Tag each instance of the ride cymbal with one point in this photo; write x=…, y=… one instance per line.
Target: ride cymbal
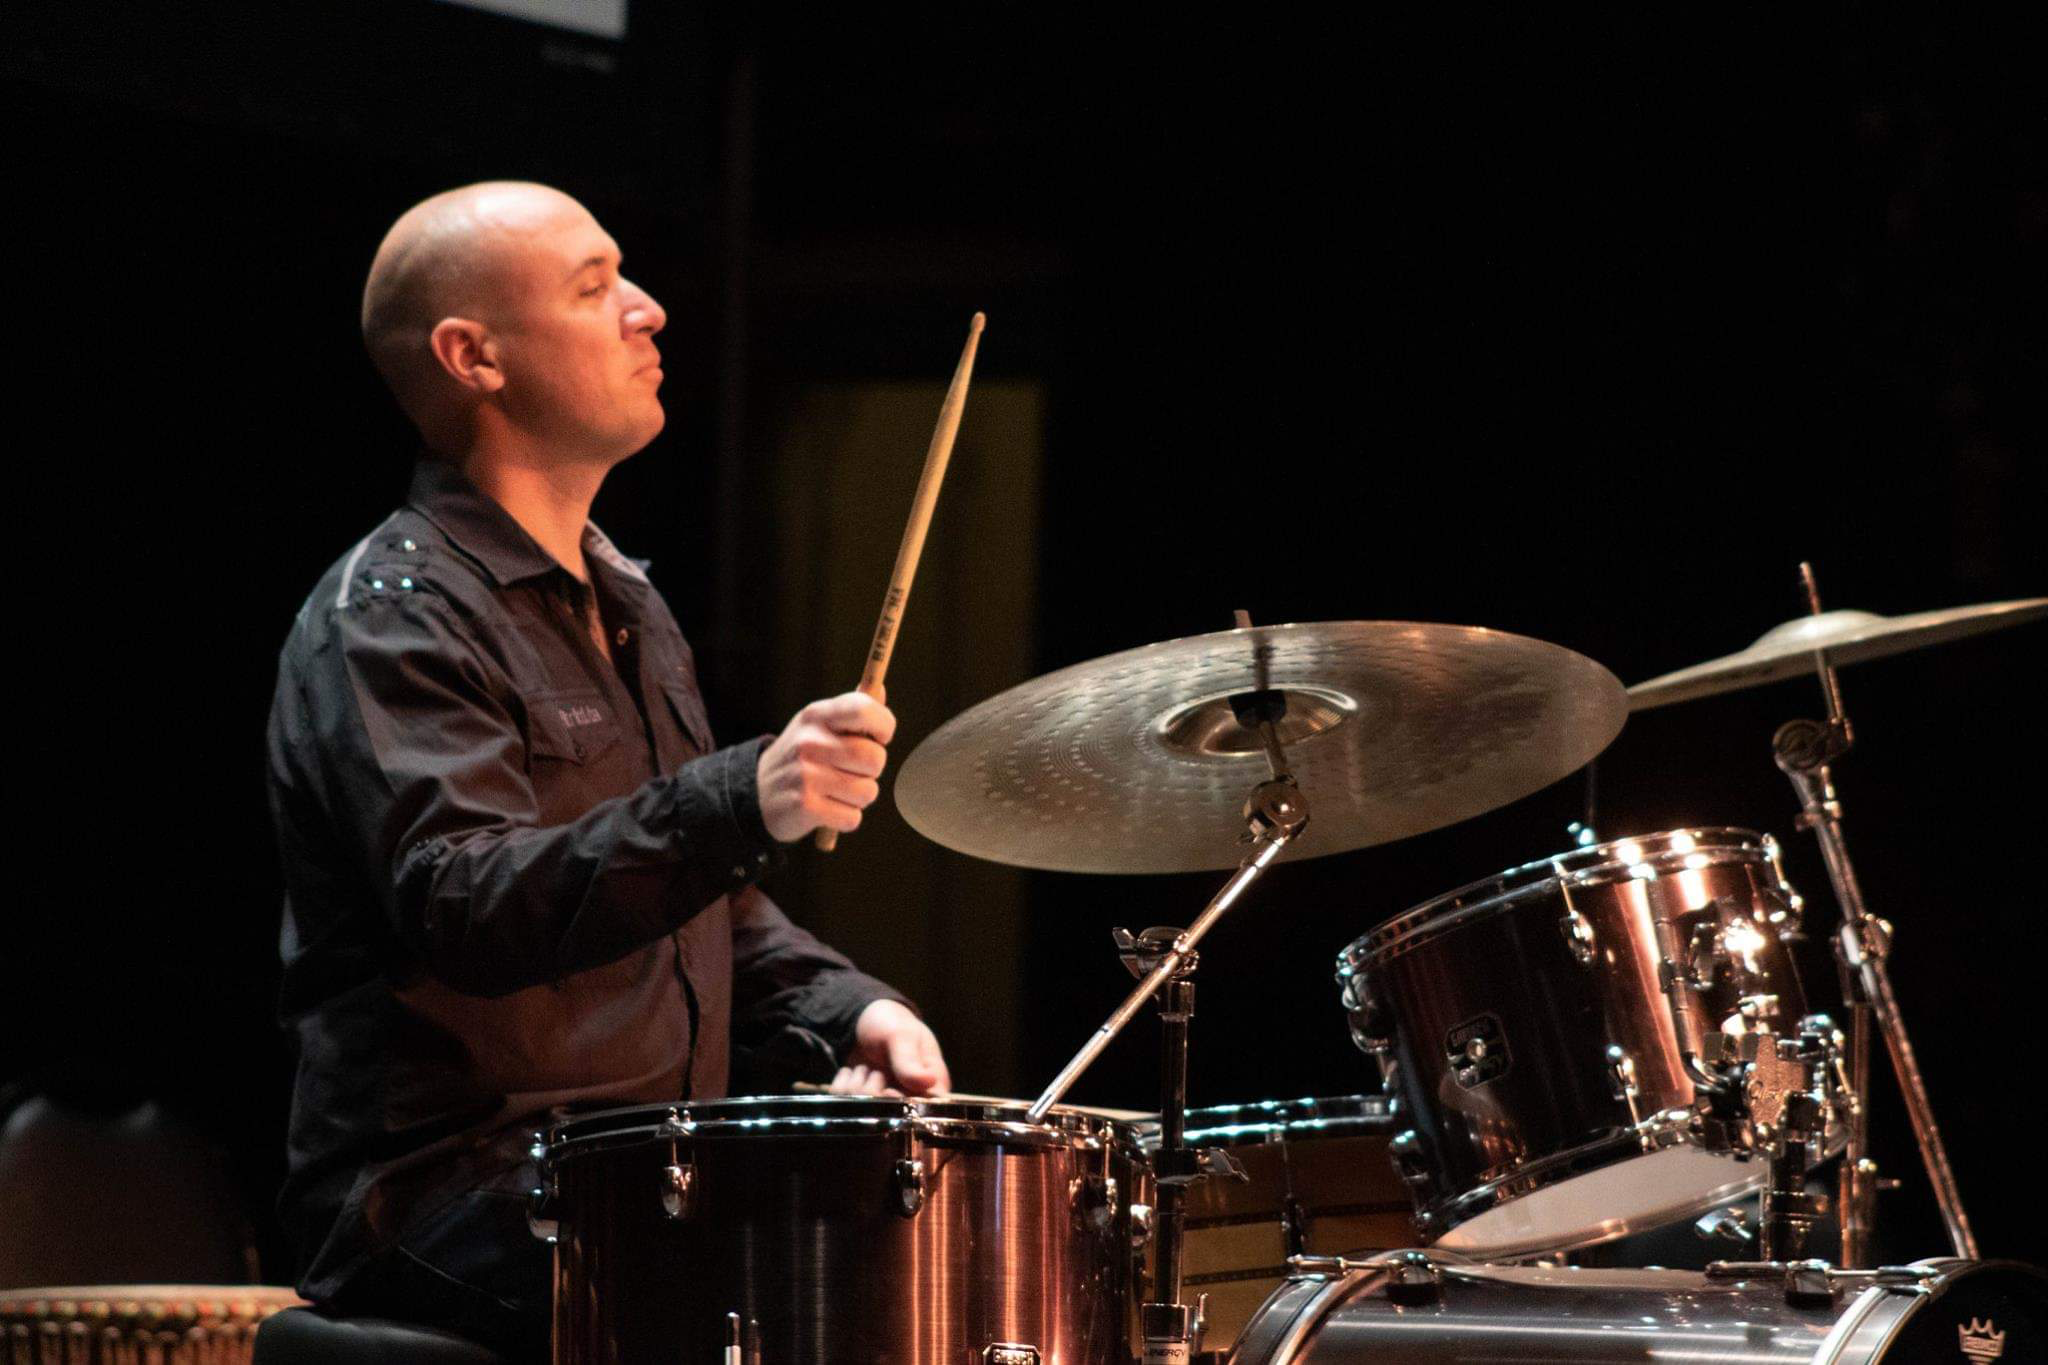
x=1135, y=762
x=1849, y=637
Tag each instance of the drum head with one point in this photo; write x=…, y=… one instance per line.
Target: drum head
x=1644, y=1192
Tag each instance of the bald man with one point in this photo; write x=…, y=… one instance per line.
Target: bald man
x=520, y=875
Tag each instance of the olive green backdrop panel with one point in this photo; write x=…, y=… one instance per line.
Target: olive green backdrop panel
x=946, y=929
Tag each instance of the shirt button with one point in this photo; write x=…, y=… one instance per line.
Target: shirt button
x=623, y=636
x=739, y=872
x=410, y=545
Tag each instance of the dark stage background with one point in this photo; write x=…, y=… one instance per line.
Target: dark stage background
x=1585, y=331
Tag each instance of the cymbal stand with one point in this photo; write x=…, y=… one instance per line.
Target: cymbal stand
x=1275, y=814
x=1803, y=750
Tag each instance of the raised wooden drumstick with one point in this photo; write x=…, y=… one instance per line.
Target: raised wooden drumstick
x=884, y=643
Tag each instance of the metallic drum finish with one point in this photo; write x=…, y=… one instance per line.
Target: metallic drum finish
x=842, y=1230
x=1525, y=1024
x=1316, y=1180
x=1966, y=1312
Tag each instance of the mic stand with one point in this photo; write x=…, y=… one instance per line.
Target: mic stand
x=1803, y=749
x=1274, y=815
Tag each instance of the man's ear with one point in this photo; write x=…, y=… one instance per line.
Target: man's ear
x=464, y=348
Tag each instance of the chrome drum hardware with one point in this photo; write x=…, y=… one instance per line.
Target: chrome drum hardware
x=1590, y=1046
x=841, y=1230
x=1418, y=1309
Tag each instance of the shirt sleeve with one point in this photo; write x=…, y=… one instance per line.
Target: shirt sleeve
x=431, y=782
x=795, y=1001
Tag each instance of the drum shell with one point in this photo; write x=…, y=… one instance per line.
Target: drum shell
x=1557, y=966
x=1514, y=1315
x=1316, y=1180
x=800, y=1224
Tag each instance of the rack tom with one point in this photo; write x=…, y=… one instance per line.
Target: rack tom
x=1568, y=1040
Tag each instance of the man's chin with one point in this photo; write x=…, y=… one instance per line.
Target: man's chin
x=644, y=435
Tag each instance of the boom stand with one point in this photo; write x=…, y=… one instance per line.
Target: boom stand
x=1803, y=750
x=1274, y=814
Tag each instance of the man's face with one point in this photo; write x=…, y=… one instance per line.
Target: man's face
x=574, y=337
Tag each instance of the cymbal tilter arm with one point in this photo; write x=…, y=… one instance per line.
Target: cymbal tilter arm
x=1266, y=846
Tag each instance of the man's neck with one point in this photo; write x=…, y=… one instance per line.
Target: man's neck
x=551, y=504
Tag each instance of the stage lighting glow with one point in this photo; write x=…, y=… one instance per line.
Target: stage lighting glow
x=599, y=18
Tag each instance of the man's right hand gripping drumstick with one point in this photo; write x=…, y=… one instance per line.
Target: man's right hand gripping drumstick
x=821, y=772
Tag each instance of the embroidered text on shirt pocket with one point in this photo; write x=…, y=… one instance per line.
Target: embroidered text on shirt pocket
x=575, y=725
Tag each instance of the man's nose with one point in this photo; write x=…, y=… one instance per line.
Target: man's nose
x=641, y=313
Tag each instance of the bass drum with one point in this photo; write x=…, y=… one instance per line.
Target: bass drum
x=1968, y=1312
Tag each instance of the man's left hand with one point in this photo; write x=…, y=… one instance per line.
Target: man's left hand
x=893, y=1052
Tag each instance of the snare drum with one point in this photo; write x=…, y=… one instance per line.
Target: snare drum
x=841, y=1230
x=1968, y=1312
x=1316, y=1180
x=1561, y=1038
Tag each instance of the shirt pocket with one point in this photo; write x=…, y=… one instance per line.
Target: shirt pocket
x=573, y=725
x=691, y=718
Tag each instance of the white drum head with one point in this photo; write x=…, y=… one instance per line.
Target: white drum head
x=1649, y=1191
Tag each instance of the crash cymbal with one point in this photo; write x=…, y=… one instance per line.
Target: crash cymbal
x=1848, y=637
x=1136, y=763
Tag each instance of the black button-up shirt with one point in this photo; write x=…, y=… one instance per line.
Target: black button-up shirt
x=518, y=874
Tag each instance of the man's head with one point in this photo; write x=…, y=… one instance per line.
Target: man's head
x=499, y=318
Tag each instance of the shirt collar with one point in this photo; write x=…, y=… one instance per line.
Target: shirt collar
x=488, y=533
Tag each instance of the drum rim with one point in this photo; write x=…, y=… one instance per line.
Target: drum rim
x=1361, y=1115
x=1867, y=1314
x=1661, y=1133
x=1305, y=1301
x=802, y=1117
x=1596, y=865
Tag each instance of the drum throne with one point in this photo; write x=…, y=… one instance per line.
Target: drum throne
x=305, y=1336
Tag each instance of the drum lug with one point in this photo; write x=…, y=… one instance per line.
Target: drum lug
x=1578, y=933
x=1405, y=1152
x=1621, y=1074
x=1705, y=957
x=1294, y=1226
x=1414, y=1279
x=538, y=1221
x=1786, y=913
x=1093, y=1199
x=679, y=1177
x=678, y=1190
x=1141, y=1226
x=1369, y=1029
x=907, y=1179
